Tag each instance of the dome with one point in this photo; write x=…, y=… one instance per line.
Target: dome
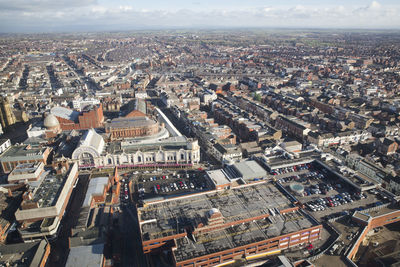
x=213, y=211
x=51, y=121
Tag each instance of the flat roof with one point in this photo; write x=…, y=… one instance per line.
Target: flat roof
x=88, y=256
x=130, y=122
x=25, y=168
x=171, y=217
x=175, y=142
x=22, y=152
x=96, y=187
x=250, y=169
x=47, y=193
x=32, y=252
x=219, y=177
x=240, y=235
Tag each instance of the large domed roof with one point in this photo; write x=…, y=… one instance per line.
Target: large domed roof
x=51, y=121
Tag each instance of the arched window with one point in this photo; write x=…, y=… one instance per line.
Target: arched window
x=109, y=161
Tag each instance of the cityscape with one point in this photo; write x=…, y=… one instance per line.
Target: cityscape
x=199, y=145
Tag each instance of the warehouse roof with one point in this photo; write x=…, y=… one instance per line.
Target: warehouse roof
x=96, y=187
x=249, y=169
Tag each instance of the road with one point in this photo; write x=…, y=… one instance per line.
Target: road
x=60, y=247
x=132, y=251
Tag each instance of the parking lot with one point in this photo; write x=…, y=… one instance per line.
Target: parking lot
x=325, y=195
x=150, y=185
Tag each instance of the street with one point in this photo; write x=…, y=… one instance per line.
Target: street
x=60, y=247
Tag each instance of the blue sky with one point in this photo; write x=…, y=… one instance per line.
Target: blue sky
x=98, y=15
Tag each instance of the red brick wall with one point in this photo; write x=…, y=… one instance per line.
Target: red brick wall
x=45, y=256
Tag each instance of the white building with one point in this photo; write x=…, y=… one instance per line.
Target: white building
x=171, y=151
x=4, y=144
x=341, y=138
x=80, y=103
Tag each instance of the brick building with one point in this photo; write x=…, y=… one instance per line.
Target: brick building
x=292, y=126
x=18, y=154
x=240, y=224
x=90, y=117
x=135, y=124
x=380, y=218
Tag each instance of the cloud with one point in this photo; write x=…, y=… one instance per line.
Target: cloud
x=374, y=5
x=37, y=15
x=43, y=5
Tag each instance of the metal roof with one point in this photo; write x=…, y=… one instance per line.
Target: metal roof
x=250, y=169
x=65, y=113
x=96, y=187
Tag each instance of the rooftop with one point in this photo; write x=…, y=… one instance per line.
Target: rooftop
x=23, y=254
x=130, y=122
x=249, y=169
x=96, y=187
x=219, y=177
x=240, y=235
x=176, y=142
x=65, y=113
x=26, y=168
x=88, y=256
x=171, y=217
x=46, y=194
x=22, y=152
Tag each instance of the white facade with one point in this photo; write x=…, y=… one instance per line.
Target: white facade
x=36, y=132
x=340, y=139
x=91, y=153
x=5, y=143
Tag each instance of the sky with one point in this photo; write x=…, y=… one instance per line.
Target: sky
x=26, y=16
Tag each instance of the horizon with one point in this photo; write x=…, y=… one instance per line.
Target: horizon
x=210, y=29
x=45, y=16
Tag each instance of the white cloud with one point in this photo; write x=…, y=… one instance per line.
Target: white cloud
x=375, y=5
x=37, y=14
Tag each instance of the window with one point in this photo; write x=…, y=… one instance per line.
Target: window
x=139, y=159
x=109, y=161
x=87, y=159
